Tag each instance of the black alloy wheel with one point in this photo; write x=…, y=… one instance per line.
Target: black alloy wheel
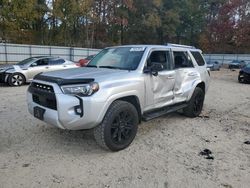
x=119, y=126
x=195, y=105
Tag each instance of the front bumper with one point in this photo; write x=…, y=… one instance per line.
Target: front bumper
x=246, y=76
x=2, y=77
x=60, y=109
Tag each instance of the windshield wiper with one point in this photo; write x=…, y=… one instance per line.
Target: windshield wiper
x=91, y=66
x=109, y=67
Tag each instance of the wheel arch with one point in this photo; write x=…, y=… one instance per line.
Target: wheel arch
x=202, y=85
x=134, y=100
x=23, y=75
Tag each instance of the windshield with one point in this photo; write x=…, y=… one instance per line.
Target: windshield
x=24, y=62
x=235, y=61
x=247, y=65
x=127, y=58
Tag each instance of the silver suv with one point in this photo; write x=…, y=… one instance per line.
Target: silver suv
x=119, y=88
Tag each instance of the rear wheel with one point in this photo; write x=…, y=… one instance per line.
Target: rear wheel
x=195, y=105
x=16, y=79
x=119, y=126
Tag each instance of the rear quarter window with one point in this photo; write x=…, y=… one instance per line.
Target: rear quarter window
x=198, y=58
x=56, y=61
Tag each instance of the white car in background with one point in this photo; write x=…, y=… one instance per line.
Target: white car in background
x=24, y=71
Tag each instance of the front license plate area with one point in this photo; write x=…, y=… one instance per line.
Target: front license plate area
x=39, y=112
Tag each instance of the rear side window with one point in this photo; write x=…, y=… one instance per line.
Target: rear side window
x=56, y=61
x=198, y=58
x=182, y=60
x=42, y=62
x=162, y=57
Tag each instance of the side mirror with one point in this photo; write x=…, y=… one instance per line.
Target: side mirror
x=33, y=64
x=155, y=68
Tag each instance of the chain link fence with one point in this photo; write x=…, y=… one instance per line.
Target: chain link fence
x=225, y=59
x=12, y=53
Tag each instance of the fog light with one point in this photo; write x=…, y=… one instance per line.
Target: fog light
x=78, y=110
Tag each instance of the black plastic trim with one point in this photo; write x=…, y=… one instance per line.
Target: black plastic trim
x=43, y=97
x=80, y=105
x=62, y=81
x=151, y=114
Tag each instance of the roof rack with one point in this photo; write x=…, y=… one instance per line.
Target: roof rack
x=180, y=45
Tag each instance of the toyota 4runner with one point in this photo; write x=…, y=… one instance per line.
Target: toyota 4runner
x=119, y=88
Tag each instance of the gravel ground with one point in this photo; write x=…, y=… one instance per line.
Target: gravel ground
x=165, y=152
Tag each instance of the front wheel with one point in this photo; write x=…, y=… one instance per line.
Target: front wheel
x=16, y=79
x=195, y=105
x=119, y=126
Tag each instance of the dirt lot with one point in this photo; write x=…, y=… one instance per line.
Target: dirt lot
x=165, y=152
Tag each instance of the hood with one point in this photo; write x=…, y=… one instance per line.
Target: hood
x=5, y=67
x=85, y=73
x=246, y=70
x=9, y=67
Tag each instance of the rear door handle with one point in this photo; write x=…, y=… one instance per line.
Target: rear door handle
x=46, y=67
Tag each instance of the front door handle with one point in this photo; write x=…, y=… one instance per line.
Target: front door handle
x=46, y=67
x=170, y=77
x=193, y=74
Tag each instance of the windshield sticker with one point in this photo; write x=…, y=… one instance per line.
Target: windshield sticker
x=137, y=49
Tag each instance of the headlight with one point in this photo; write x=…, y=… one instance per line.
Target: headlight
x=81, y=90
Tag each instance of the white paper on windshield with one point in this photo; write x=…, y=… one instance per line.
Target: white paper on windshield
x=137, y=49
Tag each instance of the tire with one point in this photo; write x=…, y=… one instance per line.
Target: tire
x=241, y=78
x=16, y=79
x=195, y=105
x=119, y=126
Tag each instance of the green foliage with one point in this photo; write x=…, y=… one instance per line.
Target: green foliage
x=213, y=25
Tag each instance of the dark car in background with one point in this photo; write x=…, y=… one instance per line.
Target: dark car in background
x=236, y=64
x=244, y=74
x=213, y=65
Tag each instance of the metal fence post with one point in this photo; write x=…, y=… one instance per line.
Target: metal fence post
x=30, y=51
x=6, y=55
x=71, y=54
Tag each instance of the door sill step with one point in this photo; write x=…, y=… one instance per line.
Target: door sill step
x=162, y=111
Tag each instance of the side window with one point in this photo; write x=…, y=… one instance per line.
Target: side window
x=56, y=61
x=198, y=58
x=162, y=57
x=42, y=62
x=182, y=60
